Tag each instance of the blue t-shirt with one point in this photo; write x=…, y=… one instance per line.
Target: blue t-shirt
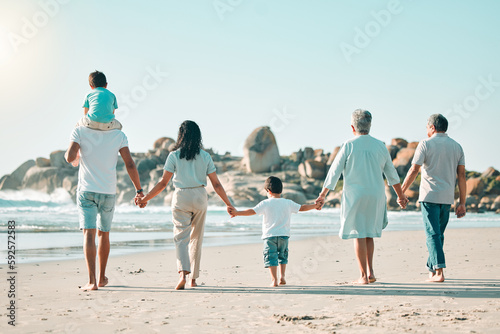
x=101, y=103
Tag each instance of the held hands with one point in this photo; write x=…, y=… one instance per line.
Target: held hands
x=320, y=201
x=231, y=211
x=403, y=202
x=138, y=200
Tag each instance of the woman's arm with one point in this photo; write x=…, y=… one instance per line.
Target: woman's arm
x=162, y=184
x=219, y=189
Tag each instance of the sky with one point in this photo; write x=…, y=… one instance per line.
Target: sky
x=300, y=67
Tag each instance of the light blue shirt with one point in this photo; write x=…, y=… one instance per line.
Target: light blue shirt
x=189, y=173
x=101, y=103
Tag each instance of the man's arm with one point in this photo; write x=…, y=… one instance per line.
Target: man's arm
x=462, y=189
x=410, y=177
x=130, y=166
x=72, y=152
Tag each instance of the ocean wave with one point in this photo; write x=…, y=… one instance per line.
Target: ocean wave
x=32, y=198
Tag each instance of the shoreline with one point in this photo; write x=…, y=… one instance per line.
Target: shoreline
x=234, y=297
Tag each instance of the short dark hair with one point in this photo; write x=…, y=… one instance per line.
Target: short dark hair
x=97, y=79
x=274, y=185
x=439, y=121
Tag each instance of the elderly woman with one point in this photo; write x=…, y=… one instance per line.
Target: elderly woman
x=362, y=160
x=189, y=165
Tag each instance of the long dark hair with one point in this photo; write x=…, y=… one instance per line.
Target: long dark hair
x=189, y=140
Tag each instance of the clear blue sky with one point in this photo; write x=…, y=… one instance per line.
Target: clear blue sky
x=301, y=67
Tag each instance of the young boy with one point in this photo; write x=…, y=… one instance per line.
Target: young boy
x=275, y=226
x=99, y=107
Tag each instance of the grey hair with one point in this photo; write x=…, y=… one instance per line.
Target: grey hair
x=439, y=121
x=361, y=120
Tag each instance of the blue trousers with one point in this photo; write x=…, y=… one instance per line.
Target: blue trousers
x=436, y=218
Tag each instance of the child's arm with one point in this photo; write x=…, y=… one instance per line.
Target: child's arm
x=85, y=111
x=233, y=212
x=307, y=207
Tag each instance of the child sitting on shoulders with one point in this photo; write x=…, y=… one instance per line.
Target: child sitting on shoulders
x=275, y=226
x=98, y=108
x=99, y=105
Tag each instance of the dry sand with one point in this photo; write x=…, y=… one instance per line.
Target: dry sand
x=233, y=296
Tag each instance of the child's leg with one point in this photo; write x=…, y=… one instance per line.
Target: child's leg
x=282, y=257
x=271, y=258
x=282, y=274
x=274, y=275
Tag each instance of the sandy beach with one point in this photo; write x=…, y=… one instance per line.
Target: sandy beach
x=234, y=297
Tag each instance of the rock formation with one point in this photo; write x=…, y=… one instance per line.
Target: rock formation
x=260, y=152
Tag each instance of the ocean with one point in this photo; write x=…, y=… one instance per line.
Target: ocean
x=47, y=226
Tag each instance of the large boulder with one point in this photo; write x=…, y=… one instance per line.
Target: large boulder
x=413, y=144
x=308, y=153
x=260, y=152
x=475, y=186
x=57, y=160
x=46, y=179
x=294, y=195
x=313, y=169
x=403, y=160
x=333, y=155
x=490, y=172
x=163, y=142
x=42, y=162
x=399, y=142
x=15, y=180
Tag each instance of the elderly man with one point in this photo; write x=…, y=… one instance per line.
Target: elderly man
x=441, y=159
x=97, y=191
x=363, y=160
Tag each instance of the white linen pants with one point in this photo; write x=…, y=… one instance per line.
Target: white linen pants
x=189, y=210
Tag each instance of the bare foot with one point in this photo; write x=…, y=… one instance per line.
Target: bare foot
x=282, y=281
x=436, y=279
x=88, y=287
x=273, y=283
x=372, y=279
x=103, y=283
x=360, y=281
x=193, y=283
x=181, y=284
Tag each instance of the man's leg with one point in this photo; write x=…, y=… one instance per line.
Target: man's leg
x=370, y=249
x=103, y=252
x=90, y=252
x=431, y=215
x=361, y=256
x=87, y=212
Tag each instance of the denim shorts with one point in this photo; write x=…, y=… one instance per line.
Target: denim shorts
x=95, y=210
x=275, y=251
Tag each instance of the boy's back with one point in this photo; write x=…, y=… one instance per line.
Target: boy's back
x=277, y=213
x=101, y=104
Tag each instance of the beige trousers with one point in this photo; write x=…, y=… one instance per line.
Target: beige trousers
x=85, y=121
x=189, y=209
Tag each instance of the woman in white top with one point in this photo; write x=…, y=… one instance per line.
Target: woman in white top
x=363, y=160
x=189, y=165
